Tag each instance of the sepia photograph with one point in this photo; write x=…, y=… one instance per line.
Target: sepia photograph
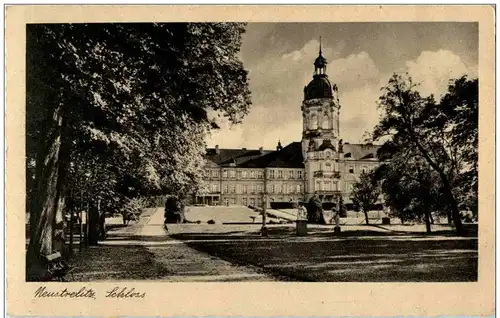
x=249, y=152
x=252, y=151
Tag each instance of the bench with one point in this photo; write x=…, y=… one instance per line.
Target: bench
x=57, y=268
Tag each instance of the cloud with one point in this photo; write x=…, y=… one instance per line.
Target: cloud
x=433, y=70
x=277, y=92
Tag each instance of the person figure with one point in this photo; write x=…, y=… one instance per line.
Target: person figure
x=301, y=212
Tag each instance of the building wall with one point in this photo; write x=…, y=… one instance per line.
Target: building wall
x=245, y=186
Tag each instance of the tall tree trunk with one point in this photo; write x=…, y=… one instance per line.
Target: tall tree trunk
x=427, y=217
x=455, y=212
x=365, y=211
x=102, y=225
x=93, y=224
x=49, y=182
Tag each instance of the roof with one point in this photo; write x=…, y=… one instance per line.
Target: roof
x=319, y=87
x=288, y=157
x=360, y=151
x=227, y=156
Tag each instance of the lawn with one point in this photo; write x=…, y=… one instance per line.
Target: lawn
x=360, y=254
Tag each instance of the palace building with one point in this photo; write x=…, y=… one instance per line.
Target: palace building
x=320, y=164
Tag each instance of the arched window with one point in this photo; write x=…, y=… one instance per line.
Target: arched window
x=326, y=121
x=314, y=121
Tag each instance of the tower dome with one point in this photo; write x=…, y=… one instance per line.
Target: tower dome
x=320, y=86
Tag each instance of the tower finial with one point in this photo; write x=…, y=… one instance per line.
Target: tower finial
x=319, y=45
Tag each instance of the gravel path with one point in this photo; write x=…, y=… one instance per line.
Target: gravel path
x=144, y=251
x=183, y=263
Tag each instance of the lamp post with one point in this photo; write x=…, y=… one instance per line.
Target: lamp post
x=263, y=230
x=336, y=229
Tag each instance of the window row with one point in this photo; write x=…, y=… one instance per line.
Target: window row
x=253, y=174
x=256, y=188
x=359, y=169
x=325, y=185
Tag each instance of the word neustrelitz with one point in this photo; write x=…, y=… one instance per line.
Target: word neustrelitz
x=84, y=292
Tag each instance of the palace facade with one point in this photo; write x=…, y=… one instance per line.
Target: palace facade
x=320, y=164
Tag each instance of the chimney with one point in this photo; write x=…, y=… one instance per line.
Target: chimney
x=261, y=149
x=217, y=149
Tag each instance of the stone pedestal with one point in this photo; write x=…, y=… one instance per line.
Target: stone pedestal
x=386, y=221
x=337, y=229
x=301, y=228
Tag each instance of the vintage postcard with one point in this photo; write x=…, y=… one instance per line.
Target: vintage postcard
x=250, y=160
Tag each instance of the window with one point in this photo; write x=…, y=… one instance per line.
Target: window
x=259, y=188
x=328, y=166
x=328, y=155
x=259, y=202
x=232, y=174
x=351, y=169
x=238, y=188
x=206, y=173
x=318, y=186
x=335, y=186
x=244, y=174
x=226, y=188
x=214, y=187
x=326, y=121
x=238, y=174
x=364, y=169
x=273, y=188
x=290, y=174
x=348, y=187
x=314, y=121
x=252, y=201
x=233, y=201
x=298, y=188
x=280, y=174
x=271, y=174
x=244, y=201
x=284, y=188
x=252, y=174
x=299, y=174
x=253, y=188
x=224, y=173
x=245, y=188
x=326, y=185
x=215, y=173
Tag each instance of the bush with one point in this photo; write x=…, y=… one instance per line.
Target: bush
x=211, y=222
x=315, y=211
x=174, y=210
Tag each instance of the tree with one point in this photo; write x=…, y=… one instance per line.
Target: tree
x=459, y=108
x=115, y=111
x=315, y=210
x=365, y=193
x=415, y=122
x=411, y=189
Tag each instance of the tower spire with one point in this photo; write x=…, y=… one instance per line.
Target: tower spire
x=320, y=46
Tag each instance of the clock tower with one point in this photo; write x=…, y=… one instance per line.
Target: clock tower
x=320, y=134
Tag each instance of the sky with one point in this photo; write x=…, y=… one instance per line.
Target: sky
x=361, y=58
